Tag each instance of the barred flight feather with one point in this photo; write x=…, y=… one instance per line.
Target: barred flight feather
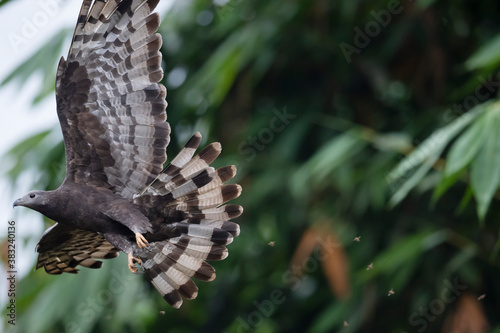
x=62, y=248
x=190, y=191
x=117, y=67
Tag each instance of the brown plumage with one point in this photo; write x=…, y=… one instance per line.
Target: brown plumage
x=116, y=195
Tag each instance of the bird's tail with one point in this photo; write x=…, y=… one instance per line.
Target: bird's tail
x=186, y=204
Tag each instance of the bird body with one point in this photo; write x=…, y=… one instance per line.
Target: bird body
x=117, y=194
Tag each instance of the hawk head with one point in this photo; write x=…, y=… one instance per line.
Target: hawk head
x=34, y=200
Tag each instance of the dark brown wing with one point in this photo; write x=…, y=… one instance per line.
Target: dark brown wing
x=61, y=249
x=110, y=105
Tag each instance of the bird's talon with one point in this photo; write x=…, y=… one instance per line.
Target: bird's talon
x=141, y=241
x=132, y=268
x=132, y=261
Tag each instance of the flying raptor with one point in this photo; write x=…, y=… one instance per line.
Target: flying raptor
x=117, y=194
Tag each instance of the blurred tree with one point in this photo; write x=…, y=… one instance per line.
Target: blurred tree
x=366, y=132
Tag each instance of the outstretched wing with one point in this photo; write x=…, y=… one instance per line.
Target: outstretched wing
x=61, y=249
x=110, y=104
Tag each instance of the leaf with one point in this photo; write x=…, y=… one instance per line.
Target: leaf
x=334, y=262
x=431, y=144
x=332, y=317
x=469, y=317
x=465, y=201
x=334, y=154
x=408, y=248
x=21, y=151
x=486, y=56
x=485, y=173
x=331, y=255
x=330, y=156
x=304, y=249
x=415, y=178
x=3, y=2
x=403, y=178
x=215, y=78
x=28, y=144
x=445, y=184
x=44, y=60
x=461, y=154
x=466, y=147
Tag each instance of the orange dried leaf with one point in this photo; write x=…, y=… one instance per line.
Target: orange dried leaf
x=467, y=318
x=334, y=261
x=330, y=254
x=336, y=271
x=306, y=246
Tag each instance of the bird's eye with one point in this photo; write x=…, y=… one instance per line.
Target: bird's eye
x=32, y=195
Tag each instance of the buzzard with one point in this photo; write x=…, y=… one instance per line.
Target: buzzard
x=117, y=195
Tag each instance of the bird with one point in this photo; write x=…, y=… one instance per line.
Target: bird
x=119, y=193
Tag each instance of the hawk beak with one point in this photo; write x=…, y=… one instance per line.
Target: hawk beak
x=18, y=202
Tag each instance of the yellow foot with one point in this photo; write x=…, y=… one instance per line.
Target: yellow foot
x=141, y=241
x=132, y=261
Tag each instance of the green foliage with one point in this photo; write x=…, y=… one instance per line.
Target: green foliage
x=396, y=142
x=485, y=169
x=466, y=147
x=4, y=2
x=487, y=56
x=426, y=155
x=44, y=61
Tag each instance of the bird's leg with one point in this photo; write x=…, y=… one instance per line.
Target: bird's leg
x=132, y=261
x=141, y=241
